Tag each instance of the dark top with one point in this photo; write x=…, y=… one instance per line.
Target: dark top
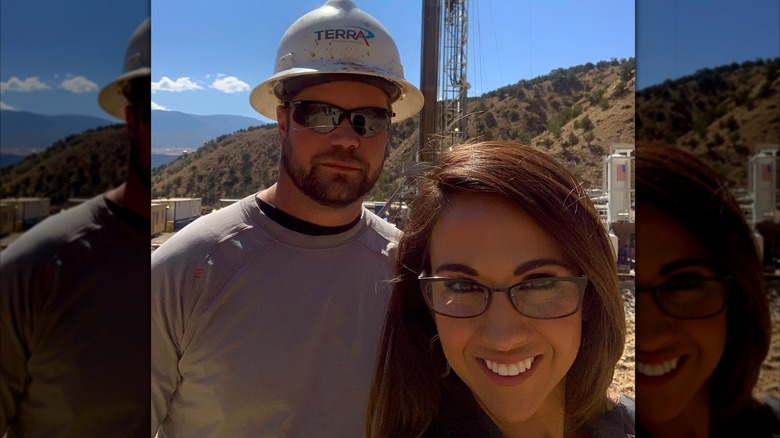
x=460, y=417
x=761, y=422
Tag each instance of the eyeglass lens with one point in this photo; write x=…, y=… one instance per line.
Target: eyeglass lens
x=538, y=298
x=323, y=118
x=692, y=296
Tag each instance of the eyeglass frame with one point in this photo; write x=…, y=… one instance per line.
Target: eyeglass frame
x=727, y=282
x=581, y=281
x=345, y=114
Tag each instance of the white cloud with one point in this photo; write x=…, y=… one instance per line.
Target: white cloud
x=157, y=107
x=4, y=107
x=78, y=84
x=180, y=84
x=30, y=84
x=230, y=84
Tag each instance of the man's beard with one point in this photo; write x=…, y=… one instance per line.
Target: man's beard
x=329, y=189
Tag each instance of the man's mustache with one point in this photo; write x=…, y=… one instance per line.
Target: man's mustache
x=340, y=156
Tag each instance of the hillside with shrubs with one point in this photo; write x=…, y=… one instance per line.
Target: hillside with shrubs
x=575, y=114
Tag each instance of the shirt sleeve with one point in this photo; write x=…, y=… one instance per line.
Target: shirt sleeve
x=167, y=331
x=17, y=309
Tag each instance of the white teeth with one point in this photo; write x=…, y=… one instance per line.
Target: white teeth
x=658, y=369
x=511, y=369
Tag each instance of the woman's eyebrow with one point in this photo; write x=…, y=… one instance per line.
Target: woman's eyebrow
x=457, y=267
x=533, y=264
x=684, y=263
x=524, y=267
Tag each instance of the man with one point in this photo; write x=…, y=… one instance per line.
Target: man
x=266, y=315
x=74, y=303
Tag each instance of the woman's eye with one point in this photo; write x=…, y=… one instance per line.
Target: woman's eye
x=540, y=280
x=462, y=286
x=683, y=282
x=542, y=284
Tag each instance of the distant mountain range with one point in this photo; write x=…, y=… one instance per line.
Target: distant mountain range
x=174, y=132
x=23, y=132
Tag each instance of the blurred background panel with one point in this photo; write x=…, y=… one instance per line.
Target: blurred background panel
x=55, y=141
x=708, y=83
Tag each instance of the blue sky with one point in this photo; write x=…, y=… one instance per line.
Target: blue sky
x=55, y=56
x=196, y=43
x=675, y=38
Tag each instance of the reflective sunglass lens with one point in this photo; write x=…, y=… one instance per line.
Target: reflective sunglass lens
x=316, y=117
x=323, y=118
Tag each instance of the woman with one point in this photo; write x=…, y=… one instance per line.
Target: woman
x=492, y=221
x=702, y=316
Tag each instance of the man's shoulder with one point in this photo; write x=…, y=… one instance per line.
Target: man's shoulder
x=208, y=231
x=57, y=230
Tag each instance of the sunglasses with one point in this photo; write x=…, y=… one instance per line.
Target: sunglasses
x=323, y=117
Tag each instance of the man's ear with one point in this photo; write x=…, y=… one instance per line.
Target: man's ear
x=281, y=119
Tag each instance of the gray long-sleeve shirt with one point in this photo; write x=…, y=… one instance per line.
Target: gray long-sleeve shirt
x=258, y=330
x=74, y=327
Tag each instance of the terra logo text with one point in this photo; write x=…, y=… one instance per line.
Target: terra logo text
x=349, y=33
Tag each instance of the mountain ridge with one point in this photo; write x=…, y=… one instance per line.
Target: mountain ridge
x=575, y=114
x=25, y=132
x=179, y=130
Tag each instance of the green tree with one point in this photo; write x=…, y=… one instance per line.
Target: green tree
x=589, y=137
x=490, y=120
x=586, y=124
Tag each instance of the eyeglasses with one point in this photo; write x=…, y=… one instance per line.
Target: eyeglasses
x=691, y=295
x=539, y=298
x=323, y=117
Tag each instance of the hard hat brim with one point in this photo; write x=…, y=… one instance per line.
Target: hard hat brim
x=111, y=98
x=264, y=100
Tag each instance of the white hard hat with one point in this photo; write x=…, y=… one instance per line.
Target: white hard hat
x=337, y=39
x=137, y=64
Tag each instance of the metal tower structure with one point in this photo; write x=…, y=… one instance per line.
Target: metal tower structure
x=453, y=122
x=443, y=121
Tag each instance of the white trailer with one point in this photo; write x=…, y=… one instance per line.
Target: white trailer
x=180, y=211
x=28, y=211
